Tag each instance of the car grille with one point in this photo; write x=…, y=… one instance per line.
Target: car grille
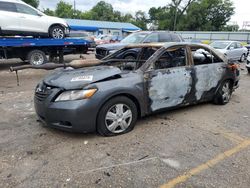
x=42, y=92
x=101, y=51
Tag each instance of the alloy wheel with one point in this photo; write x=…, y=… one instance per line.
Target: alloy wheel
x=226, y=92
x=58, y=33
x=118, y=118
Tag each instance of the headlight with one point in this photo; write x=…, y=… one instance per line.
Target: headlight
x=76, y=95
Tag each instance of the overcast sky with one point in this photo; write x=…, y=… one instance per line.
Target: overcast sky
x=242, y=11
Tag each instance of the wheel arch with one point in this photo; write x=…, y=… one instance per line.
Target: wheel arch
x=231, y=80
x=130, y=53
x=128, y=95
x=56, y=24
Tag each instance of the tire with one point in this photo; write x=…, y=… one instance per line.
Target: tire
x=242, y=58
x=248, y=70
x=57, y=32
x=104, y=123
x=224, y=93
x=37, y=57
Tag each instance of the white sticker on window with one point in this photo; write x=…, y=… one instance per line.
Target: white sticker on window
x=82, y=78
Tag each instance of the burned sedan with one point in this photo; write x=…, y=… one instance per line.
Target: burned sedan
x=109, y=97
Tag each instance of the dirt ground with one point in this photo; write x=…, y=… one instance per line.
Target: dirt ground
x=198, y=146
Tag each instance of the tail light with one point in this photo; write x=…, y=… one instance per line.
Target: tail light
x=233, y=67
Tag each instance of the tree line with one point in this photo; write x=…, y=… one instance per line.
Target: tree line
x=181, y=15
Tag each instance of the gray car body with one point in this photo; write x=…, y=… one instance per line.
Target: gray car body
x=151, y=90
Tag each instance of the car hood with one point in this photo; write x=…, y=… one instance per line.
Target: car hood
x=79, y=78
x=112, y=46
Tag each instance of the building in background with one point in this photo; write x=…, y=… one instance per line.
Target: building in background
x=102, y=27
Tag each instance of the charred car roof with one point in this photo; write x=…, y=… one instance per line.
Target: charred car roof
x=171, y=44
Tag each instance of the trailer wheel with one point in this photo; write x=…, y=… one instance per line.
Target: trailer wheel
x=37, y=57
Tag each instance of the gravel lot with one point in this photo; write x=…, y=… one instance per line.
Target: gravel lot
x=198, y=146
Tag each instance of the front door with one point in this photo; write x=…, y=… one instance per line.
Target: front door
x=170, y=81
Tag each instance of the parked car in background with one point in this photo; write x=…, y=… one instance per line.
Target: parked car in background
x=109, y=98
x=232, y=49
x=103, y=39
x=19, y=18
x=116, y=38
x=248, y=64
x=138, y=37
x=83, y=35
x=248, y=48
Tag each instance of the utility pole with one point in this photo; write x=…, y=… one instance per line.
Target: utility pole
x=74, y=13
x=175, y=17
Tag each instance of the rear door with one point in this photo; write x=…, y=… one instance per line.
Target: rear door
x=30, y=20
x=209, y=70
x=240, y=50
x=232, y=51
x=8, y=17
x=169, y=83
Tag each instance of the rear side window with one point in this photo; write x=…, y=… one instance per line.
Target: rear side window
x=165, y=37
x=5, y=6
x=26, y=10
x=152, y=38
x=175, y=38
x=202, y=56
x=239, y=45
x=233, y=45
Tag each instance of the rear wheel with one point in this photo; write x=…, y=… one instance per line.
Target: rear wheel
x=242, y=58
x=37, y=57
x=224, y=93
x=117, y=116
x=57, y=32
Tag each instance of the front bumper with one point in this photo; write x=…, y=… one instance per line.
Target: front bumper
x=73, y=116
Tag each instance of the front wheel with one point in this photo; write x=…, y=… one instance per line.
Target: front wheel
x=57, y=32
x=224, y=93
x=117, y=116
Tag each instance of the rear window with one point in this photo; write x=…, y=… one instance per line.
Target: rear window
x=165, y=37
x=5, y=6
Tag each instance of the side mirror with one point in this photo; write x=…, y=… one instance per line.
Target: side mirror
x=231, y=48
